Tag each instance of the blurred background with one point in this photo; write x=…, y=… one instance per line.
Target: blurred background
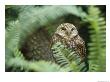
x=29, y=30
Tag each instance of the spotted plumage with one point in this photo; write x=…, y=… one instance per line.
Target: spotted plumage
x=67, y=34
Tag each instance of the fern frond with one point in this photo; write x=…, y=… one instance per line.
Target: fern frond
x=66, y=57
x=18, y=64
x=98, y=39
x=12, y=35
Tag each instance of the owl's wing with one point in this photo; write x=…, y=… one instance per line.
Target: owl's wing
x=80, y=47
x=55, y=38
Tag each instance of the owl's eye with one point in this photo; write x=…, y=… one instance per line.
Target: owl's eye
x=63, y=28
x=72, y=29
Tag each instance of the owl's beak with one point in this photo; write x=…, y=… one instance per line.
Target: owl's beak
x=68, y=33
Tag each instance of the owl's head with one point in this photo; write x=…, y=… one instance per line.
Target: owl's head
x=67, y=30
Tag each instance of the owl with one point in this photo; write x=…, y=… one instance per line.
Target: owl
x=67, y=34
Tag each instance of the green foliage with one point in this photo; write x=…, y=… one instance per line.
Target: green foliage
x=67, y=58
x=12, y=14
x=97, y=59
x=31, y=18
x=18, y=64
x=12, y=35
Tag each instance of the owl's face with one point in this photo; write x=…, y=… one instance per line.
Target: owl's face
x=67, y=31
